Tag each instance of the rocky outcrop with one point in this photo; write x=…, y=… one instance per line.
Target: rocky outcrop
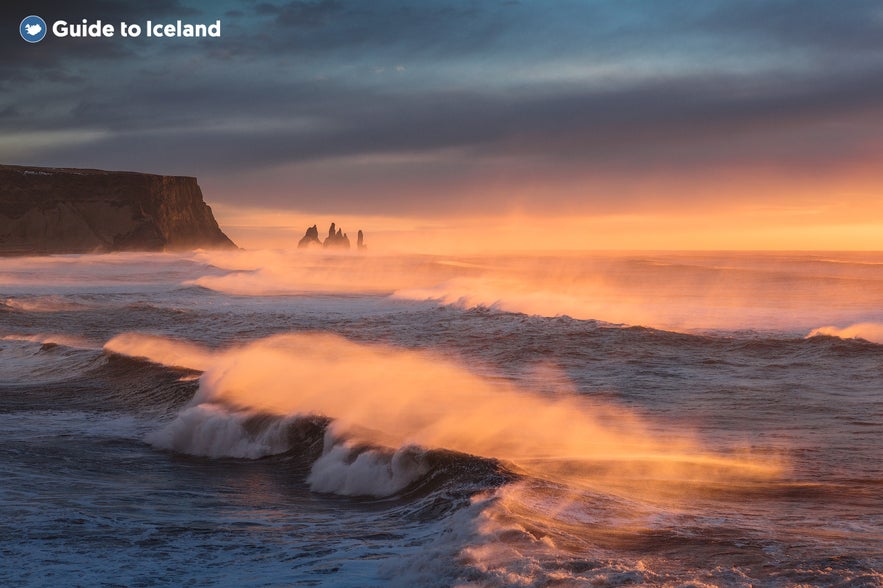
x=62, y=210
x=310, y=238
x=336, y=239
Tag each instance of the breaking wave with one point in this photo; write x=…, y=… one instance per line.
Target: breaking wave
x=386, y=407
x=872, y=332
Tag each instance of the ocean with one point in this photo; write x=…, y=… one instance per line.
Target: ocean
x=291, y=418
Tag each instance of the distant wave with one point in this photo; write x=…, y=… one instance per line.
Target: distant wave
x=160, y=350
x=53, y=339
x=671, y=292
x=872, y=332
x=31, y=359
x=44, y=304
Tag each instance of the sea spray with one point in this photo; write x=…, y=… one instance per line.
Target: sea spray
x=872, y=332
x=394, y=398
x=674, y=291
x=387, y=409
x=80, y=484
x=161, y=350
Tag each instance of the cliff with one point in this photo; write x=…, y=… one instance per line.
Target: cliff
x=61, y=210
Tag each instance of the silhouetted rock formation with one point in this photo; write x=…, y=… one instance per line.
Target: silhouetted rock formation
x=61, y=210
x=336, y=239
x=360, y=242
x=310, y=238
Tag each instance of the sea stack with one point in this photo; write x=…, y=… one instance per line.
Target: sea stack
x=310, y=238
x=64, y=210
x=336, y=239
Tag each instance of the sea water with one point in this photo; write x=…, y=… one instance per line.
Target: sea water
x=309, y=419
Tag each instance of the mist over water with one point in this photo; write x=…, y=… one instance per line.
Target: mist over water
x=350, y=420
x=672, y=291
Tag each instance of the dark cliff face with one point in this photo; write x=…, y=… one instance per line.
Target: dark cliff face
x=55, y=210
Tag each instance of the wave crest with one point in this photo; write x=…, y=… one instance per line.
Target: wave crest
x=872, y=332
x=382, y=402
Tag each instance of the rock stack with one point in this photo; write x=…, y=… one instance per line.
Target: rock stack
x=336, y=239
x=310, y=238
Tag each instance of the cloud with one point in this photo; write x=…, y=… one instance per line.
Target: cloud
x=654, y=123
x=472, y=93
x=30, y=63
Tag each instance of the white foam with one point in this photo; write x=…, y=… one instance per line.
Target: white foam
x=342, y=469
x=209, y=430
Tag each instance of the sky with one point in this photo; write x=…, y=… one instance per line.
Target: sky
x=547, y=124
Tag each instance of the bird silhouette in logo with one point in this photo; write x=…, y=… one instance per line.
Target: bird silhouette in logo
x=33, y=29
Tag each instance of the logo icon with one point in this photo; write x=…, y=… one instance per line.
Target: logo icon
x=32, y=29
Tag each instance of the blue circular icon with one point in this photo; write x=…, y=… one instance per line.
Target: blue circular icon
x=32, y=29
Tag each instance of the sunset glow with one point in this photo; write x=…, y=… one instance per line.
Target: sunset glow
x=825, y=228
x=609, y=126
x=441, y=293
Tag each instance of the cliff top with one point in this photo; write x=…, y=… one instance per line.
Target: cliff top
x=36, y=170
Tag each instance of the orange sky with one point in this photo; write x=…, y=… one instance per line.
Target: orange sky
x=507, y=125
x=832, y=215
x=748, y=230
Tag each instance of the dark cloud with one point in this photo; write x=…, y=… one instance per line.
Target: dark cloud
x=650, y=124
x=24, y=62
x=820, y=25
x=379, y=27
x=297, y=83
x=308, y=14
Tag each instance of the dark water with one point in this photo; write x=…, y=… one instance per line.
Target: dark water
x=348, y=431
